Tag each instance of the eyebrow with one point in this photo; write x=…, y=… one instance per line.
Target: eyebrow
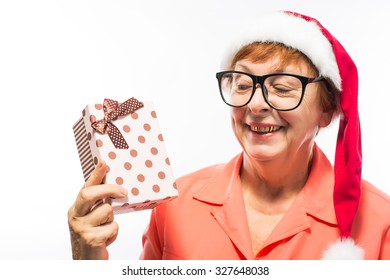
x=243, y=66
x=277, y=69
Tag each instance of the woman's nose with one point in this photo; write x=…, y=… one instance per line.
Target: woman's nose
x=258, y=104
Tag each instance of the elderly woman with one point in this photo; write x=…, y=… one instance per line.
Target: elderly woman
x=280, y=198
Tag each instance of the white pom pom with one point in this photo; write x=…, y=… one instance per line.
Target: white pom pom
x=343, y=249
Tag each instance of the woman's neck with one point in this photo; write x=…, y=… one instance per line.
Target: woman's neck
x=271, y=186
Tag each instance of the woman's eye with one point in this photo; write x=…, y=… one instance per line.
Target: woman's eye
x=281, y=89
x=243, y=87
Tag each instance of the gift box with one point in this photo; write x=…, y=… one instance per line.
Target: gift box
x=127, y=137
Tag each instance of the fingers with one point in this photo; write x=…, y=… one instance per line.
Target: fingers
x=98, y=217
x=92, y=233
x=93, y=191
x=91, y=243
x=91, y=217
x=103, y=235
x=88, y=197
x=97, y=175
x=102, y=214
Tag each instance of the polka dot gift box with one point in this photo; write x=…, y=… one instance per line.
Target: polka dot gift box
x=127, y=137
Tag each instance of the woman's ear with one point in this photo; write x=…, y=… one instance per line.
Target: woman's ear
x=326, y=118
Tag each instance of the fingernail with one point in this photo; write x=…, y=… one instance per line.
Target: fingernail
x=124, y=191
x=100, y=165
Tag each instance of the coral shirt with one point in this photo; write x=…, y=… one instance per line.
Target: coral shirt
x=208, y=219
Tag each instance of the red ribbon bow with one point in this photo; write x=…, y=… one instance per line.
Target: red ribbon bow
x=112, y=110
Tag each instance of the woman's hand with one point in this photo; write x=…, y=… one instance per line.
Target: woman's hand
x=91, y=221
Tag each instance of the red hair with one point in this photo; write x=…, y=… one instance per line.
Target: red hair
x=257, y=52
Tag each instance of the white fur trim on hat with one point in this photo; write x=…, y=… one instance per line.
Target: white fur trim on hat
x=343, y=249
x=295, y=32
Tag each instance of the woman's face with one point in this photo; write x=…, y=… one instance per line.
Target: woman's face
x=267, y=134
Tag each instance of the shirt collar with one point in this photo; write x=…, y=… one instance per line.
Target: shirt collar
x=317, y=194
x=216, y=190
x=315, y=197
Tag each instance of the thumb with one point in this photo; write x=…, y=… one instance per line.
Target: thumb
x=97, y=176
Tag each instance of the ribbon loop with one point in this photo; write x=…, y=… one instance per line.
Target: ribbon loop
x=112, y=110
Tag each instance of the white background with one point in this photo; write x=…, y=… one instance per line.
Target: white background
x=58, y=56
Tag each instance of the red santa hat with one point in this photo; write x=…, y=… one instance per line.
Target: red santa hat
x=307, y=35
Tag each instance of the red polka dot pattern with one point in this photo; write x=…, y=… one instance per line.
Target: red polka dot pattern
x=140, y=178
x=147, y=126
x=144, y=168
x=133, y=153
x=156, y=188
x=154, y=151
x=112, y=155
x=99, y=143
x=161, y=175
x=148, y=163
x=126, y=128
x=127, y=165
x=141, y=139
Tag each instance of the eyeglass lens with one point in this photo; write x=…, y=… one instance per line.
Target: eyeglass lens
x=280, y=91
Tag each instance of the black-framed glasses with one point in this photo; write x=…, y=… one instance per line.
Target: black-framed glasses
x=281, y=91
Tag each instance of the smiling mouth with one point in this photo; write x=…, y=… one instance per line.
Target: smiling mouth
x=264, y=130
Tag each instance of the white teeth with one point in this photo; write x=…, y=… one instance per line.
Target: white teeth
x=264, y=129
